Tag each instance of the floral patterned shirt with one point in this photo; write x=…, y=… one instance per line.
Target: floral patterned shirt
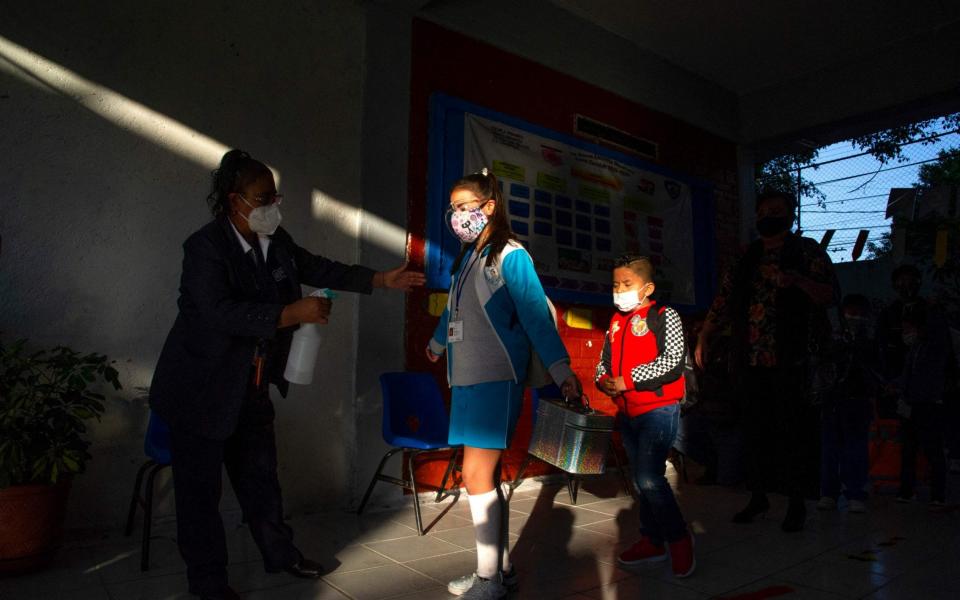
x=762, y=312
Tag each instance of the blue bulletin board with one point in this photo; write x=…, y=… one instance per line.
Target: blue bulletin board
x=575, y=205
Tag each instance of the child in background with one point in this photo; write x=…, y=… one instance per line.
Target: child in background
x=847, y=413
x=641, y=368
x=921, y=408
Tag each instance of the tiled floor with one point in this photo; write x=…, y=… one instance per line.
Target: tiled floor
x=561, y=551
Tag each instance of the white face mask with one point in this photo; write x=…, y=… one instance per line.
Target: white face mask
x=263, y=220
x=627, y=301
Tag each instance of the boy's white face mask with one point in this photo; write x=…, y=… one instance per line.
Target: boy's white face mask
x=627, y=301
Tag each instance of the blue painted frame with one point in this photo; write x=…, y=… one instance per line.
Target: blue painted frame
x=445, y=166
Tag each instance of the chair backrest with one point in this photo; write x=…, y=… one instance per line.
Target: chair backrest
x=156, y=444
x=413, y=407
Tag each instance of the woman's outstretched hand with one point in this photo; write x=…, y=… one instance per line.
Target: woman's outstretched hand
x=431, y=356
x=399, y=279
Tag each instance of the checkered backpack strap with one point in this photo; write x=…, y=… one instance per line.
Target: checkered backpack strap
x=654, y=318
x=670, y=363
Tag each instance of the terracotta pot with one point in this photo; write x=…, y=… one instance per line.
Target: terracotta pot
x=32, y=517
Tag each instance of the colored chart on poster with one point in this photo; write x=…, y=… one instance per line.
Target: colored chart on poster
x=576, y=206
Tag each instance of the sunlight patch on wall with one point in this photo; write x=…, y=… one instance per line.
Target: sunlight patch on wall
x=116, y=108
x=351, y=221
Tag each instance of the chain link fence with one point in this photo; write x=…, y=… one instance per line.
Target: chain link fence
x=845, y=190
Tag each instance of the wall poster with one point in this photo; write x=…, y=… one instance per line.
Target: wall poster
x=575, y=205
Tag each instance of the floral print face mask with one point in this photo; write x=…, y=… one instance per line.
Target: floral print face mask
x=466, y=224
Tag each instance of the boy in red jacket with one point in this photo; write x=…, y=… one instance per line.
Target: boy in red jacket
x=641, y=368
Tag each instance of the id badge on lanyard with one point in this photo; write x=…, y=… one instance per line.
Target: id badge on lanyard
x=455, y=331
x=455, y=327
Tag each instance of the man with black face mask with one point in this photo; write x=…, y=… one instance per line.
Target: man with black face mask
x=774, y=301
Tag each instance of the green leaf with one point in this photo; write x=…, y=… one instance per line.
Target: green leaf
x=72, y=465
x=44, y=404
x=83, y=413
x=38, y=469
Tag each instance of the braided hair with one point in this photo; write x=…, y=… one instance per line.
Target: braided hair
x=237, y=170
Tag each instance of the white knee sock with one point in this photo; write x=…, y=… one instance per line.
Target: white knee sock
x=486, y=511
x=505, y=565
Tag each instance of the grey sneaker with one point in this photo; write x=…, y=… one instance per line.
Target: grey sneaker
x=857, y=507
x=460, y=585
x=827, y=503
x=485, y=589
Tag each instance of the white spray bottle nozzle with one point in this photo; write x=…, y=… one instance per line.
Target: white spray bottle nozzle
x=324, y=293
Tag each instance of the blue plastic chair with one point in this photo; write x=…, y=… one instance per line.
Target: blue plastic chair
x=156, y=445
x=415, y=420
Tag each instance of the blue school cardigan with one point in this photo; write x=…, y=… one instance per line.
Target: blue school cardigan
x=516, y=309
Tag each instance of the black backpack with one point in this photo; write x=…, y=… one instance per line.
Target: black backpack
x=692, y=389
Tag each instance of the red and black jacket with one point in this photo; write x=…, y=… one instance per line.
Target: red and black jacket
x=647, y=347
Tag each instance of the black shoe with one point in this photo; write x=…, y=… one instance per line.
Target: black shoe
x=226, y=593
x=796, y=515
x=758, y=505
x=905, y=495
x=305, y=568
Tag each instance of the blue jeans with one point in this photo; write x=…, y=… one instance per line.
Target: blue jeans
x=647, y=438
x=844, y=458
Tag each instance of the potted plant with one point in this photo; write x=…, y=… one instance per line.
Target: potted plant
x=46, y=397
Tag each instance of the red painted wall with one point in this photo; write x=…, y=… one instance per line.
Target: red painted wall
x=449, y=62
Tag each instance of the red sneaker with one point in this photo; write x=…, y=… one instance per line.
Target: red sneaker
x=682, y=559
x=643, y=552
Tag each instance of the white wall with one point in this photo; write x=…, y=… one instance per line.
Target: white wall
x=383, y=237
x=112, y=122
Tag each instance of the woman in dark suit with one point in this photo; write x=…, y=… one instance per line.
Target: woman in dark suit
x=240, y=302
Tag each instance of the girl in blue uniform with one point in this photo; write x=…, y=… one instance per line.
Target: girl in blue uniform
x=496, y=315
